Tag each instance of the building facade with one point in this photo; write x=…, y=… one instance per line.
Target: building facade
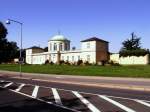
x=93, y=50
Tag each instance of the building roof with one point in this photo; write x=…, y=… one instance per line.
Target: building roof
x=94, y=39
x=35, y=47
x=59, y=38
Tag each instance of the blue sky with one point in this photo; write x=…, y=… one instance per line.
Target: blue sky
x=111, y=20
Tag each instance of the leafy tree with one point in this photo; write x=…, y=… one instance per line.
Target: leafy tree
x=8, y=50
x=3, y=42
x=132, y=44
x=3, y=31
x=132, y=47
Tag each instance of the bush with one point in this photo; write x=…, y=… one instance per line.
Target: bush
x=79, y=62
x=62, y=62
x=103, y=62
x=67, y=62
x=47, y=62
x=139, y=52
x=86, y=63
x=51, y=63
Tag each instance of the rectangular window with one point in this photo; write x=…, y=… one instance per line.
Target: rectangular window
x=60, y=46
x=78, y=57
x=68, y=58
x=72, y=58
x=55, y=47
x=88, y=45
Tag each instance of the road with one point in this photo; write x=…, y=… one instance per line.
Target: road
x=12, y=102
x=142, y=84
x=79, y=97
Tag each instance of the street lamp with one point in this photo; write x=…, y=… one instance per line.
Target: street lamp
x=20, y=58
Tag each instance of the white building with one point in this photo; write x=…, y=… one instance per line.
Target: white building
x=93, y=50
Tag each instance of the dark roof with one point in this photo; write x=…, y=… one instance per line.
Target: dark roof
x=35, y=47
x=94, y=39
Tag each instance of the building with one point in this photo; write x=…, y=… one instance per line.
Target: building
x=93, y=50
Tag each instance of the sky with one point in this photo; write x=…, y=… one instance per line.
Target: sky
x=110, y=20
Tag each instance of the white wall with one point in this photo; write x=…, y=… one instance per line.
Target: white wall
x=73, y=56
x=28, y=56
x=114, y=58
x=40, y=58
x=91, y=48
x=92, y=56
x=88, y=51
x=130, y=60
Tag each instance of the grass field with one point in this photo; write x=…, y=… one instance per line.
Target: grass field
x=112, y=71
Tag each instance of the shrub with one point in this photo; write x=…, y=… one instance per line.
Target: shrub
x=67, y=62
x=51, y=63
x=86, y=63
x=103, y=62
x=47, y=62
x=62, y=62
x=139, y=52
x=79, y=62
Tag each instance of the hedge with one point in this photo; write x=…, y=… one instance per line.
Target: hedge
x=139, y=52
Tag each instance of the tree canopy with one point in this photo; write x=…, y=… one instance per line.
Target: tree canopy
x=132, y=43
x=3, y=31
x=132, y=47
x=8, y=50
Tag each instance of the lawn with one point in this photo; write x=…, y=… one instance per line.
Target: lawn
x=112, y=71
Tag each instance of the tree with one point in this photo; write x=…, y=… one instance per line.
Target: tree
x=3, y=41
x=132, y=47
x=3, y=31
x=132, y=44
x=8, y=50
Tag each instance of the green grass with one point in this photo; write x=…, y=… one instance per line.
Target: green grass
x=112, y=71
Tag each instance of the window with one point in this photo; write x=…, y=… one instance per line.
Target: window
x=72, y=58
x=55, y=47
x=68, y=58
x=66, y=46
x=78, y=57
x=88, y=45
x=60, y=47
x=88, y=58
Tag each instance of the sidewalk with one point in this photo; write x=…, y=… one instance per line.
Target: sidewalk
x=141, y=84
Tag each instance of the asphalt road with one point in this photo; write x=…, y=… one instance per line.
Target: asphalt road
x=13, y=102
x=142, y=84
x=78, y=97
